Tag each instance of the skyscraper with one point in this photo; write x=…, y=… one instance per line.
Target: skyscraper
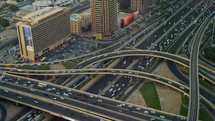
x=42, y=30
x=124, y=4
x=104, y=16
x=137, y=5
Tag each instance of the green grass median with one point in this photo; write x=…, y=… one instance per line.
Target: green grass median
x=203, y=114
x=150, y=95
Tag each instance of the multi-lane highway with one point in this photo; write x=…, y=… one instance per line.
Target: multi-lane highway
x=194, y=78
x=112, y=108
x=160, y=36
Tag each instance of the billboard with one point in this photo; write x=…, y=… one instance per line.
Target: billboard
x=135, y=15
x=27, y=36
x=126, y=21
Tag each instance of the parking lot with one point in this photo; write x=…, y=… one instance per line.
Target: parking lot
x=72, y=49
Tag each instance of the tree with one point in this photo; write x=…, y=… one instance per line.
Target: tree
x=4, y=22
x=13, y=7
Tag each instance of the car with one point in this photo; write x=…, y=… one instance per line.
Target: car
x=181, y=87
x=36, y=101
x=111, y=89
x=119, y=105
x=146, y=112
x=162, y=116
x=112, y=95
x=153, y=112
x=120, y=110
x=152, y=119
x=65, y=94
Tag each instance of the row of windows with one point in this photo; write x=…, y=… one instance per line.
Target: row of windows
x=51, y=31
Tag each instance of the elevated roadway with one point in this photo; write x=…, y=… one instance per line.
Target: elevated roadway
x=204, y=71
x=86, y=99
x=193, y=111
x=137, y=74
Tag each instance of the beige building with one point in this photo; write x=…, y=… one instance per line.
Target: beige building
x=37, y=5
x=104, y=16
x=79, y=21
x=137, y=5
x=42, y=30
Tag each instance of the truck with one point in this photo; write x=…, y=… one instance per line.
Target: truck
x=41, y=85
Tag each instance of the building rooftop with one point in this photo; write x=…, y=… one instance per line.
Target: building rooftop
x=42, y=3
x=75, y=17
x=34, y=17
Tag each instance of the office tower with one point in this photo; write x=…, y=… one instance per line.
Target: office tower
x=79, y=22
x=124, y=4
x=104, y=16
x=137, y=5
x=42, y=30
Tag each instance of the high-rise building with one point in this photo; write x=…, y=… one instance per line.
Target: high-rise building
x=124, y=4
x=79, y=22
x=137, y=5
x=42, y=30
x=104, y=16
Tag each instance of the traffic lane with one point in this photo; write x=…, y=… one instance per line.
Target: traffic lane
x=167, y=26
x=45, y=105
x=106, y=79
x=194, y=77
x=115, y=103
x=50, y=88
x=30, y=116
x=173, y=68
x=86, y=107
x=101, y=83
x=117, y=87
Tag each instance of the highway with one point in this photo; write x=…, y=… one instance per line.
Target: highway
x=181, y=60
x=140, y=34
x=138, y=74
x=122, y=72
x=82, y=98
x=193, y=112
x=170, y=28
x=127, y=60
x=52, y=108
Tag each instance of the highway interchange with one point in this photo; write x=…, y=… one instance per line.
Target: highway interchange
x=160, y=36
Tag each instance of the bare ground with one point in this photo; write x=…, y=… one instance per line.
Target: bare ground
x=170, y=99
x=57, y=67
x=137, y=99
